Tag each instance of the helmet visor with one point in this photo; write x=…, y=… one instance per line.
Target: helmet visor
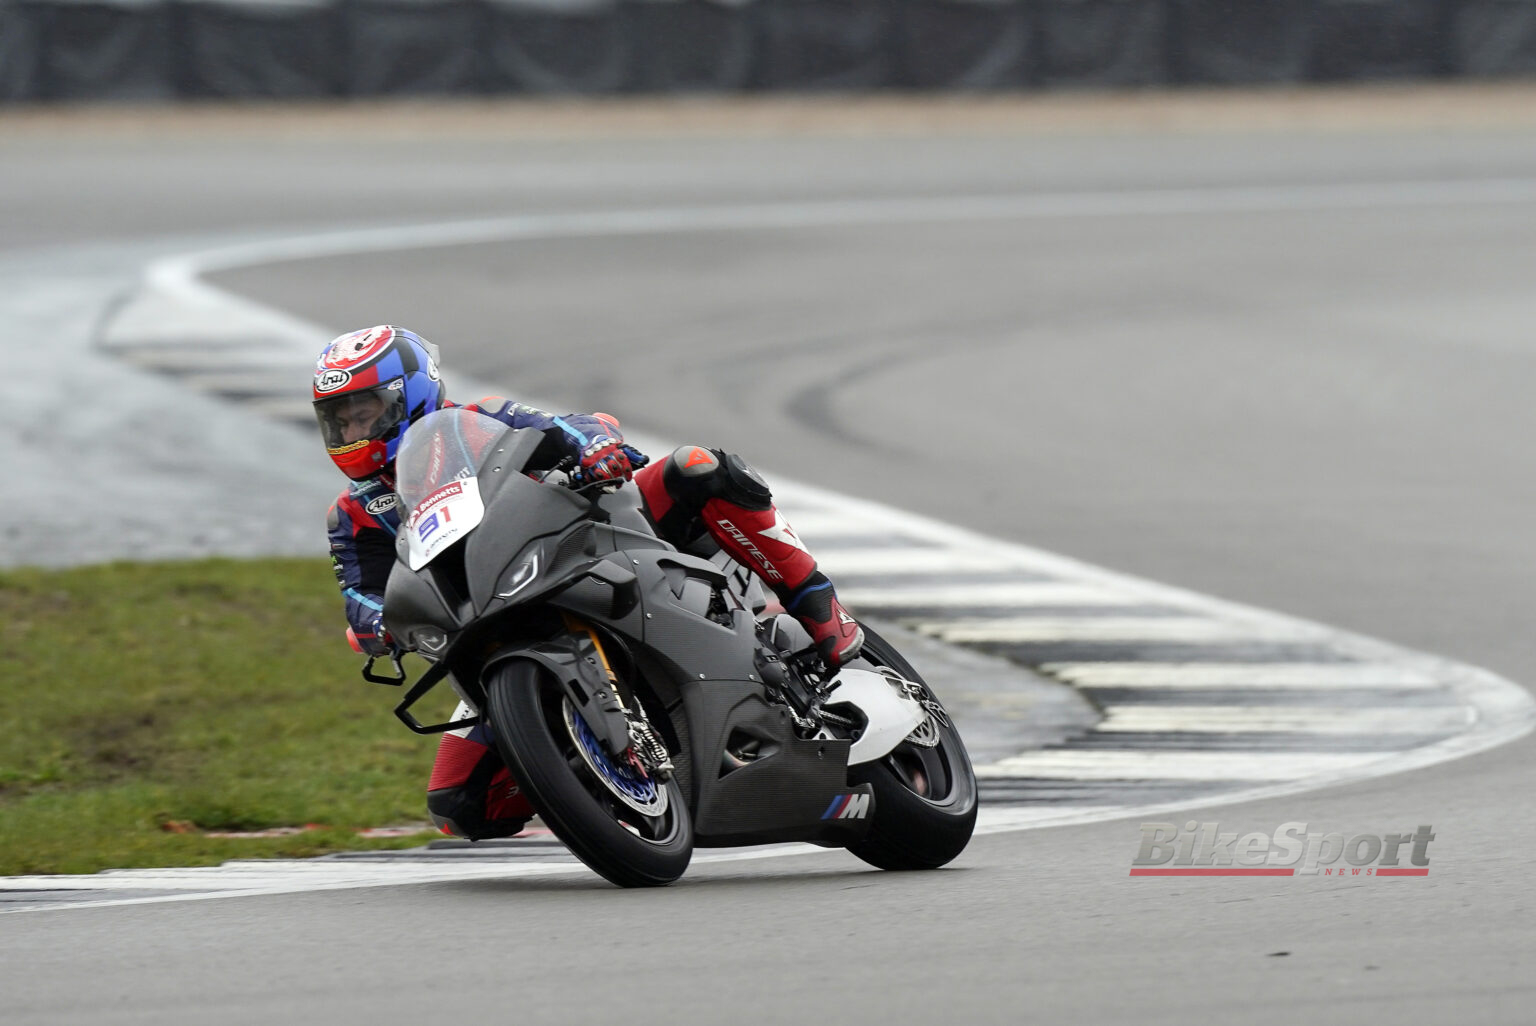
x=346, y=420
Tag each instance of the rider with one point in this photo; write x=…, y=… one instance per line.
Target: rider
x=371, y=385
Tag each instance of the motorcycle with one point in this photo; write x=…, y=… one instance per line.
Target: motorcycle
x=641, y=696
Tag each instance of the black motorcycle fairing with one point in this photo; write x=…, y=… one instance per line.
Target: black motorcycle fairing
x=426, y=610
x=780, y=792
x=605, y=589
x=623, y=510
x=655, y=597
x=688, y=612
x=429, y=608
x=517, y=510
x=419, y=613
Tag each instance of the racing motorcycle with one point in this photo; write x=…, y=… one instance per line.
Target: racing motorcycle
x=640, y=694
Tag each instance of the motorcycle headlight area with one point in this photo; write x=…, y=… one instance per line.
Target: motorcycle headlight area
x=519, y=576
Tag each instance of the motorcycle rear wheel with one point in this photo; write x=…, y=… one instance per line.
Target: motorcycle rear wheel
x=925, y=797
x=527, y=709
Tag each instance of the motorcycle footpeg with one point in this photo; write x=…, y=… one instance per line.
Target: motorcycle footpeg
x=809, y=662
x=771, y=669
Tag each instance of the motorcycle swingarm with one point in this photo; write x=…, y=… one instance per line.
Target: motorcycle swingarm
x=574, y=661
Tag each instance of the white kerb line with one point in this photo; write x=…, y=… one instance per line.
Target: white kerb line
x=1243, y=675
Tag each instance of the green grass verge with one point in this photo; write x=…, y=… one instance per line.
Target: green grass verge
x=139, y=699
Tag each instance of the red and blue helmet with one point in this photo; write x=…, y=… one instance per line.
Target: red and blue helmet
x=371, y=385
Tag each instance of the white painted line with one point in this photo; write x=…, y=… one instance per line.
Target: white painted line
x=182, y=274
x=240, y=879
x=918, y=561
x=1330, y=720
x=825, y=526
x=1173, y=764
x=1244, y=675
x=1197, y=630
x=1002, y=593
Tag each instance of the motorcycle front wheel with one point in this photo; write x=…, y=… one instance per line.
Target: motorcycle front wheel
x=630, y=828
x=925, y=795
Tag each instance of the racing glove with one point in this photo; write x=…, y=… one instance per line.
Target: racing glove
x=375, y=642
x=637, y=459
x=605, y=458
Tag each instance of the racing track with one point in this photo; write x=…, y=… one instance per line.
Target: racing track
x=1306, y=405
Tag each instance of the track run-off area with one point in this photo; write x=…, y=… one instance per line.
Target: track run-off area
x=1262, y=364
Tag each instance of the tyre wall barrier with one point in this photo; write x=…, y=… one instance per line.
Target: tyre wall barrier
x=164, y=49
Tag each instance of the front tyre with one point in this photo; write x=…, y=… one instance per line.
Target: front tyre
x=925, y=797
x=586, y=799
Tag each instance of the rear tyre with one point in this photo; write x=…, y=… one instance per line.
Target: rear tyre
x=532, y=722
x=925, y=797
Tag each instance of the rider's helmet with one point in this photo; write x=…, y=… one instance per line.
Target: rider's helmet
x=371, y=385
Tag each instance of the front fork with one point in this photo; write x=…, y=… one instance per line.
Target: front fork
x=647, y=751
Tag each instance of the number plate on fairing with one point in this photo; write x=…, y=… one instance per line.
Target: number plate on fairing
x=440, y=519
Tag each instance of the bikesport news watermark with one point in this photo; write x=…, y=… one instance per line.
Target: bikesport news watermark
x=1201, y=849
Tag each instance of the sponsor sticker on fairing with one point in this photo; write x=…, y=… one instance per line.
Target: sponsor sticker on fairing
x=441, y=518
x=439, y=496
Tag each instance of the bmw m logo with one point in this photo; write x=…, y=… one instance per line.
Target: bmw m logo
x=848, y=806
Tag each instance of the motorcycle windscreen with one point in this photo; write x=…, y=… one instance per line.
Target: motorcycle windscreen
x=435, y=479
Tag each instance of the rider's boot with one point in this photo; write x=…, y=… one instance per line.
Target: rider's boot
x=836, y=634
x=471, y=793
x=764, y=542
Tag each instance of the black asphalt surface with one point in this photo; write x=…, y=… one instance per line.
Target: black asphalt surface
x=1321, y=411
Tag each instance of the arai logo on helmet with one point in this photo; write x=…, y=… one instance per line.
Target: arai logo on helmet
x=331, y=380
